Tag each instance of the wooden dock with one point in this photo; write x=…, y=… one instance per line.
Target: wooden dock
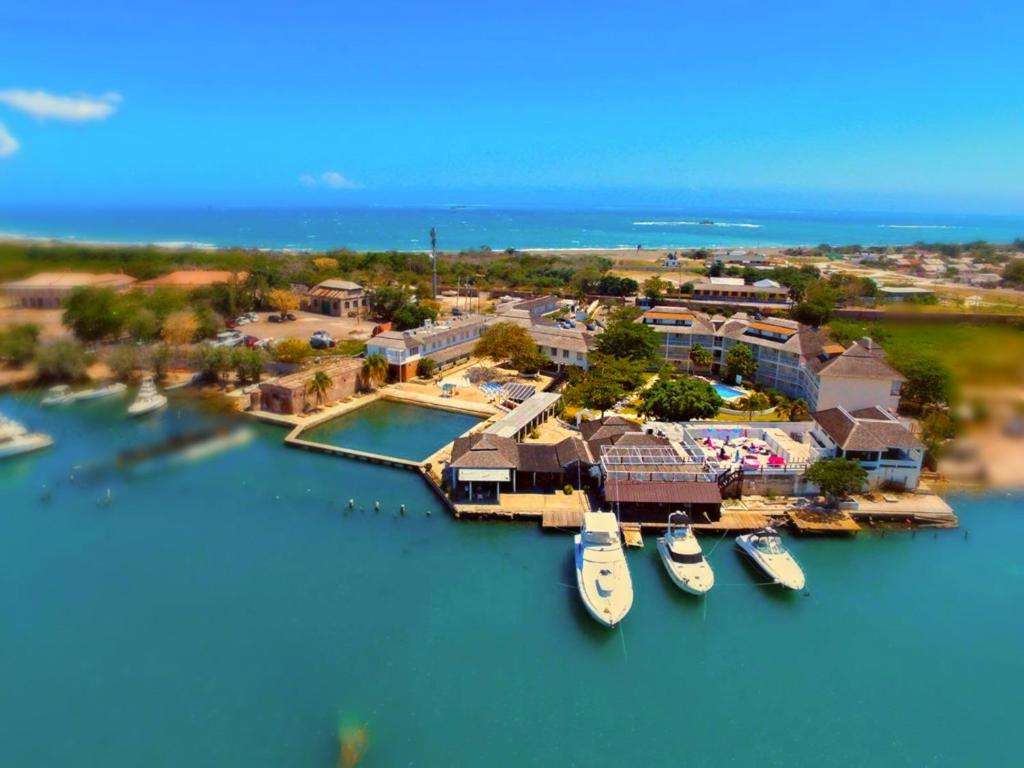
x=631, y=533
x=814, y=521
x=562, y=517
x=735, y=522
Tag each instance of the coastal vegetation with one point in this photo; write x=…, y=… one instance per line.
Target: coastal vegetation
x=18, y=343
x=375, y=370
x=319, y=385
x=624, y=338
x=740, y=361
x=511, y=342
x=607, y=381
x=61, y=360
x=837, y=478
x=680, y=398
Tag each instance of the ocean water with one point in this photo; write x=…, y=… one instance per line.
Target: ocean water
x=462, y=228
x=231, y=612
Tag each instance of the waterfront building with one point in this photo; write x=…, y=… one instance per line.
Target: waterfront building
x=337, y=298
x=874, y=437
x=728, y=292
x=797, y=360
x=190, y=279
x=48, y=290
x=445, y=343
x=290, y=394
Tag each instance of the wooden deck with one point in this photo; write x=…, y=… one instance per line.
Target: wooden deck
x=817, y=521
x=735, y=522
x=631, y=533
x=562, y=517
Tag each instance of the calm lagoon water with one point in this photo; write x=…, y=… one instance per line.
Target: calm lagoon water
x=231, y=611
x=393, y=429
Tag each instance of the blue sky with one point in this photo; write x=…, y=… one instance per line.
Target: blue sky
x=879, y=106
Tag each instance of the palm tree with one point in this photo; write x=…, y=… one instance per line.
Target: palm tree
x=375, y=370
x=699, y=356
x=318, y=386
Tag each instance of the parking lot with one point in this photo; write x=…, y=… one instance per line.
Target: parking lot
x=305, y=323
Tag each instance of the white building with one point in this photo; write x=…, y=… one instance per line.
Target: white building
x=874, y=438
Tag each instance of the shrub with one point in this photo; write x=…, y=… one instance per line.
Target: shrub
x=61, y=360
x=567, y=490
x=291, y=351
x=426, y=367
x=18, y=344
x=123, y=361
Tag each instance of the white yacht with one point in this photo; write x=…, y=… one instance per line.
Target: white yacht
x=681, y=553
x=765, y=548
x=148, y=400
x=61, y=394
x=15, y=439
x=97, y=393
x=601, y=572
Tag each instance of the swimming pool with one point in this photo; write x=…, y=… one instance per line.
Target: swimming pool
x=726, y=392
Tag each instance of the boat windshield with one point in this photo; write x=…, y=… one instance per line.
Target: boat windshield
x=687, y=559
x=770, y=545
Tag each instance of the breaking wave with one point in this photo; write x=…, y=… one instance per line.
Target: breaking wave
x=684, y=223
x=917, y=226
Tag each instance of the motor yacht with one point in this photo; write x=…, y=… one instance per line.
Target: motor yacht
x=148, y=399
x=98, y=393
x=681, y=553
x=602, y=575
x=15, y=439
x=60, y=394
x=765, y=548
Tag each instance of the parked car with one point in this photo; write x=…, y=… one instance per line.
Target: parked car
x=276, y=319
x=228, y=339
x=250, y=341
x=242, y=320
x=267, y=343
x=252, y=317
x=289, y=316
x=321, y=340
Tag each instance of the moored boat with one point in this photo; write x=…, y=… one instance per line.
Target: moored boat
x=148, y=399
x=602, y=575
x=681, y=553
x=765, y=548
x=15, y=439
x=97, y=393
x=60, y=394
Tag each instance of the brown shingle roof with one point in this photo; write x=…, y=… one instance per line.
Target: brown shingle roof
x=863, y=360
x=877, y=433
x=662, y=492
x=483, y=451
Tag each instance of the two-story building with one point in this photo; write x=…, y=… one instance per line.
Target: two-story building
x=726, y=291
x=444, y=343
x=876, y=439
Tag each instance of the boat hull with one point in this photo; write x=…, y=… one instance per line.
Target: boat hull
x=603, y=614
x=141, y=409
x=694, y=581
x=25, y=444
x=786, y=573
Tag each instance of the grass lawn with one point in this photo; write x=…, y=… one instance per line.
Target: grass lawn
x=979, y=355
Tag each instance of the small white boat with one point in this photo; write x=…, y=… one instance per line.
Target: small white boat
x=602, y=576
x=681, y=553
x=765, y=548
x=98, y=393
x=148, y=399
x=15, y=439
x=59, y=395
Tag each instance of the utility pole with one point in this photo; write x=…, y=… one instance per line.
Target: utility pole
x=433, y=259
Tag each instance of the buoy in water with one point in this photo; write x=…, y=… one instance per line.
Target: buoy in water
x=351, y=503
x=402, y=509
x=376, y=506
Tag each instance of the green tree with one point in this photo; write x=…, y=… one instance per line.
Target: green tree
x=248, y=364
x=755, y=401
x=213, y=362
x=836, y=478
x=937, y=428
x=680, y=399
x=160, y=360
x=18, y=343
x=654, y=289
x=629, y=340
x=740, y=361
x=817, y=306
x=123, y=361
x=61, y=360
x=143, y=325
x=505, y=341
x=928, y=381
x=209, y=322
x=700, y=356
x=426, y=367
x=1013, y=272
x=94, y=313
x=531, y=361
x=798, y=410
x=386, y=301
x=319, y=386
x=375, y=370
x=412, y=316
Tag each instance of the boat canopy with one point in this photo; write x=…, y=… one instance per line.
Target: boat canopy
x=600, y=528
x=686, y=558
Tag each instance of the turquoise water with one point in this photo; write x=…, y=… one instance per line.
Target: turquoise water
x=726, y=392
x=228, y=612
x=407, y=228
x=393, y=429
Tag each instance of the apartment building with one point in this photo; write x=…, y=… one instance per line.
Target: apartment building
x=797, y=360
x=445, y=343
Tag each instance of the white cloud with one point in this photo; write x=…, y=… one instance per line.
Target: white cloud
x=47, y=106
x=8, y=144
x=331, y=179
